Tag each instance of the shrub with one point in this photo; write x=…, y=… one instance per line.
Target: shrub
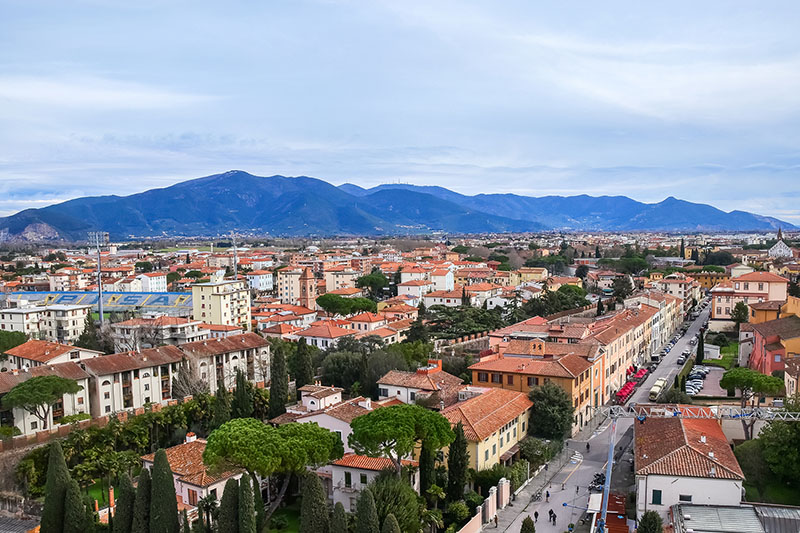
x=278, y=522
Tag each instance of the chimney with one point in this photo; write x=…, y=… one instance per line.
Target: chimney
x=110, y=497
x=191, y=437
x=15, y=372
x=703, y=439
x=711, y=454
x=366, y=403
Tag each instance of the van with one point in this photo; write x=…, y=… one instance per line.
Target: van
x=658, y=386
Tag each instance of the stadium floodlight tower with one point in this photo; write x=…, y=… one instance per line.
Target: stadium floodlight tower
x=98, y=239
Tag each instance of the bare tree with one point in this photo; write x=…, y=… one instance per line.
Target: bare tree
x=187, y=381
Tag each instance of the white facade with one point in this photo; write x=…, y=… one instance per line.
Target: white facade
x=658, y=493
x=153, y=282
x=348, y=482
x=260, y=280
x=58, y=323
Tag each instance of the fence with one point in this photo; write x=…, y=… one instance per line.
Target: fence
x=498, y=498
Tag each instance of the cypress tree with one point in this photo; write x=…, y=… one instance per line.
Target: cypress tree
x=186, y=528
x=258, y=501
x=600, y=309
x=339, y=519
x=141, y=506
x=390, y=524
x=163, y=503
x=222, y=408
x=279, y=386
x=313, y=509
x=457, y=461
x=247, y=511
x=55, y=489
x=683, y=250
x=683, y=383
x=701, y=350
x=427, y=465
x=126, y=498
x=305, y=366
x=242, y=403
x=228, y=519
x=366, y=515
x=91, y=519
x=677, y=384
x=75, y=516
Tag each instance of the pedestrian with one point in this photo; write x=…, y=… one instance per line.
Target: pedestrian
x=547, y=496
x=536, y=516
x=563, y=486
x=554, y=518
x=550, y=512
x=546, y=466
x=577, y=489
x=587, y=446
x=495, y=520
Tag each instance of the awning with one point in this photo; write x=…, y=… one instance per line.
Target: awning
x=510, y=453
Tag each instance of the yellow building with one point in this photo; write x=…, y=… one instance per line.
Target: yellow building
x=224, y=302
x=494, y=423
x=525, y=274
x=707, y=280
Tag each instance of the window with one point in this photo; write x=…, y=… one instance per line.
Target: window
x=108, y=409
x=106, y=395
x=413, y=396
x=761, y=286
x=494, y=449
x=80, y=400
x=656, y=500
x=687, y=498
x=34, y=424
x=486, y=455
x=146, y=386
x=213, y=493
x=363, y=479
x=192, y=497
x=348, y=479
x=510, y=379
x=777, y=358
x=483, y=376
x=497, y=378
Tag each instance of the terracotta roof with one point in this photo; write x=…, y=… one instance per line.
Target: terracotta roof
x=345, y=411
x=484, y=414
x=675, y=447
x=68, y=370
x=769, y=305
x=222, y=345
x=325, y=332
x=319, y=391
x=219, y=327
x=122, y=362
x=186, y=461
x=42, y=351
x=384, y=332
x=431, y=381
x=281, y=329
x=785, y=328
x=362, y=462
x=414, y=283
x=367, y=317
x=568, y=366
x=761, y=276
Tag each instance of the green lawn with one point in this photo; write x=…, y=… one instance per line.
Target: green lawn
x=292, y=514
x=730, y=353
x=99, y=491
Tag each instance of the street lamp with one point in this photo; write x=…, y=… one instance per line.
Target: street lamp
x=99, y=239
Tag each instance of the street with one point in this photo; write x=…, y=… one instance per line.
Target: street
x=577, y=474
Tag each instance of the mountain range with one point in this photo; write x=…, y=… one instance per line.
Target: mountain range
x=302, y=206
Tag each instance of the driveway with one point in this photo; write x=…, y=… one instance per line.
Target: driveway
x=711, y=384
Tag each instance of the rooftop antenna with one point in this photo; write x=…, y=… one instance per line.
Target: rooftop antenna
x=99, y=239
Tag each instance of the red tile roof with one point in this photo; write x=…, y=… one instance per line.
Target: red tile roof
x=362, y=462
x=761, y=276
x=42, y=351
x=186, y=461
x=122, y=362
x=431, y=381
x=484, y=414
x=218, y=346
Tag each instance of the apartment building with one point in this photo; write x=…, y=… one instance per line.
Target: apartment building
x=222, y=302
x=340, y=277
x=752, y=287
x=68, y=404
x=123, y=381
x=429, y=382
x=34, y=353
x=138, y=333
x=260, y=280
x=218, y=360
x=153, y=281
x=58, y=322
x=353, y=473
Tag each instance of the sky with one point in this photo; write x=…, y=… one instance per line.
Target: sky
x=697, y=100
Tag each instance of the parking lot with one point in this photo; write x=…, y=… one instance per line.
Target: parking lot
x=711, y=387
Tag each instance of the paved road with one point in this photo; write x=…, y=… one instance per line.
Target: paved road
x=579, y=472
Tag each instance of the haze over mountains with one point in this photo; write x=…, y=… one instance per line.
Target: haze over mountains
x=302, y=206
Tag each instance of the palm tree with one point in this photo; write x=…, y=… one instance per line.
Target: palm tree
x=432, y=518
x=436, y=493
x=206, y=505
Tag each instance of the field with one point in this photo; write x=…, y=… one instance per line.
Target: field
x=730, y=353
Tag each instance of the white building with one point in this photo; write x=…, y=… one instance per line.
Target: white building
x=137, y=333
x=153, y=281
x=353, y=473
x=69, y=404
x=34, y=353
x=324, y=335
x=260, y=280
x=58, y=322
x=217, y=360
x=687, y=461
x=224, y=302
x=193, y=481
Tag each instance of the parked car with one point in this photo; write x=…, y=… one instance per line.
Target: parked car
x=681, y=360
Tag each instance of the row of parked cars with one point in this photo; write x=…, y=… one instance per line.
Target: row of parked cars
x=695, y=380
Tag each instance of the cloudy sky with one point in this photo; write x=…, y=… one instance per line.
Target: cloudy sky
x=697, y=100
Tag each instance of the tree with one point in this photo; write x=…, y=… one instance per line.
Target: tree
x=683, y=250
x=93, y=338
x=650, y=523
x=418, y=331
x=334, y=304
x=465, y=301
x=163, y=504
x=683, y=384
x=222, y=407
x=55, y=489
x=279, y=384
x=390, y=525
x=740, y=314
x=779, y=444
x=342, y=369
x=143, y=266
x=228, y=518
x=11, y=339
x=313, y=506
x=186, y=527
x=264, y=450
x=339, y=519
x=366, y=515
x=695, y=256
x=794, y=289
x=247, y=510
x=701, y=349
x=527, y=526
x=552, y=412
x=457, y=464
x=622, y=287
x=600, y=309
x=395, y=496
x=305, y=366
x=37, y=395
x=126, y=498
x=427, y=465
x=582, y=271
x=187, y=381
x=393, y=431
x=141, y=506
x=675, y=396
x=751, y=384
x=374, y=283
x=207, y=506
x=75, y=516
x=242, y=404
x=750, y=456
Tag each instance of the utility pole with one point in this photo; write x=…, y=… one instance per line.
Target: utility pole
x=235, y=258
x=98, y=239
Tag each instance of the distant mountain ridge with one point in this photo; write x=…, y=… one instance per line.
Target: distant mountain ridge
x=302, y=206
